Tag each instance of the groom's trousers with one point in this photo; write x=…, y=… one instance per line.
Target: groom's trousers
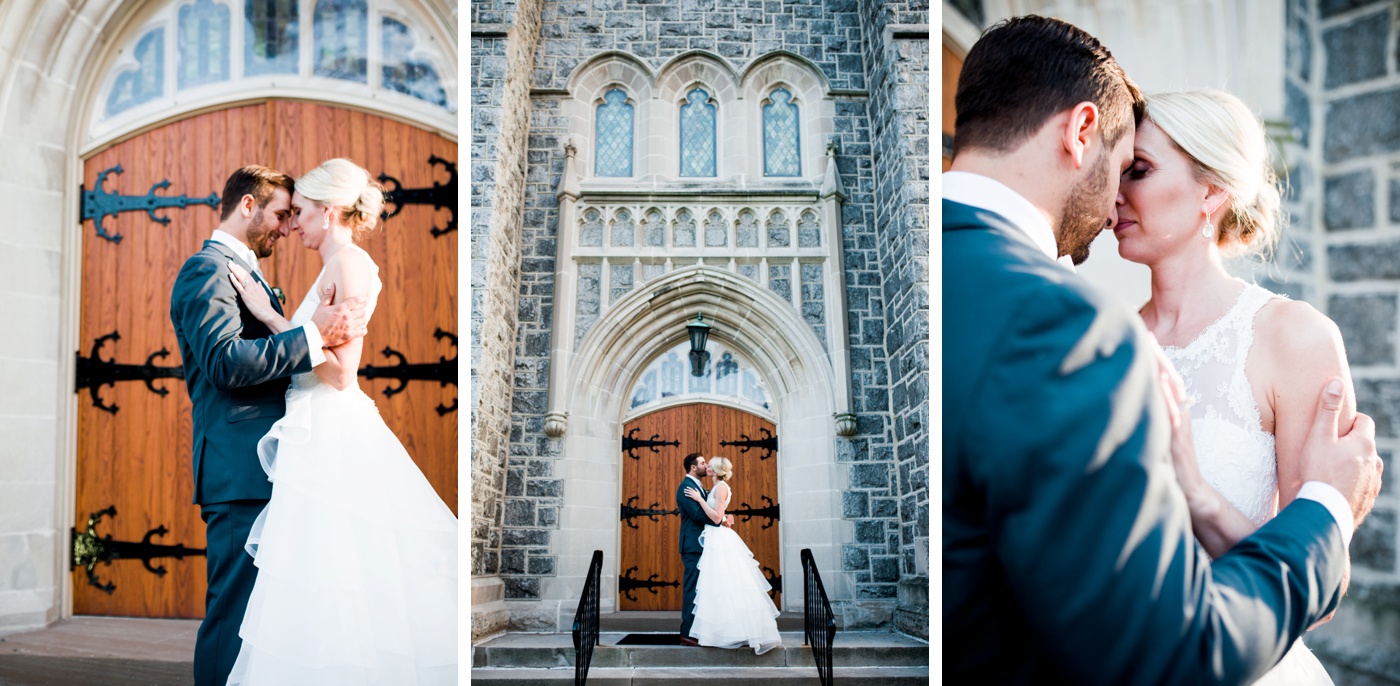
x=689, y=579
x=231, y=573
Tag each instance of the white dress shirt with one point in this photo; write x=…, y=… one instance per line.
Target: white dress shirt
x=985, y=193
x=313, y=335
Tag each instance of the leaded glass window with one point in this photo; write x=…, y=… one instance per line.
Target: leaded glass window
x=203, y=44
x=697, y=135
x=341, y=29
x=270, y=37
x=780, y=157
x=405, y=74
x=727, y=376
x=614, y=135
x=146, y=81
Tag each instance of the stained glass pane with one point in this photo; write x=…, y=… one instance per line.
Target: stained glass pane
x=614, y=135
x=144, y=83
x=697, y=135
x=341, y=30
x=270, y=36
x=203, y=43
x=780, y=156
x=404, y=74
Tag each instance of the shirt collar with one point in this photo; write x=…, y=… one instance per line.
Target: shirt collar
x=992, y=195
x=692, y=478
x=239, y=249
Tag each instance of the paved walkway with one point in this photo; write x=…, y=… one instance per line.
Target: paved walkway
x=114, y=651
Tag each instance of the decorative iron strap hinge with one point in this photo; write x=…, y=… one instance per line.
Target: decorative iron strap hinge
x=769, y=443
x=444, y=371
x=439, y=196
x=98, y=203
x=626, y=584
x=748, y=512
x=629, y=511
x=90, y=549
x=774, y=579
x=93, y=372
x=631, y=443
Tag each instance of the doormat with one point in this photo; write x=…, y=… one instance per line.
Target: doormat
x=650, y=640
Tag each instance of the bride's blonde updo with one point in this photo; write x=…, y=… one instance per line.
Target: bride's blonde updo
x=344, y=184
x=1227, y=146
x=722, y=468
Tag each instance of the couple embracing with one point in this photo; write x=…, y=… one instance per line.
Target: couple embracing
x=725, y=602
x=1155, y=497
x=331, y=559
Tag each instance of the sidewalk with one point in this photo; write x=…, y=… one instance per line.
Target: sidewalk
x=118, y=651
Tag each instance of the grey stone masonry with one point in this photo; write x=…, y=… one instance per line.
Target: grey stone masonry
x=1349, y=201
x=1362, y=125
x=898, y=66
x=1356, y=50
x=1373, y=546
x=1368, y=326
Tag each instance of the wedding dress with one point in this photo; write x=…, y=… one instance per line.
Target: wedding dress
x=356, y=553
x=732, y=606
x=1236, y=455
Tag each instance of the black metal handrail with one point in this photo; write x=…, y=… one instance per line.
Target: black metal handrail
x=818, y=624
x=586, y=620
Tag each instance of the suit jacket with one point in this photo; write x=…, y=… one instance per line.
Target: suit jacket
x=693, y=518
x=236, y=373
x=1068, y=554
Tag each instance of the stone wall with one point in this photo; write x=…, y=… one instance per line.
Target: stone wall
x=1343, y=93
x=831, y=35
x=501, y=84
x=897, y=61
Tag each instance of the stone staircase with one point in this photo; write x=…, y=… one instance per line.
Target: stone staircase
x=871, y=658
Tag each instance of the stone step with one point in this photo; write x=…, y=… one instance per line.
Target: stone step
x=663, y=622
x=653, y=676
x=556, y=651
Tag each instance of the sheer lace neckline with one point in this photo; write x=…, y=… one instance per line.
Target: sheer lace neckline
x=1218, y=323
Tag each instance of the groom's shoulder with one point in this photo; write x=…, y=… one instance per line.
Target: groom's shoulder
x=204, y=258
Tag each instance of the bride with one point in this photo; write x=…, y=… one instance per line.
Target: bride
x=732, y=607
x=1199, y=189
x=356, y=553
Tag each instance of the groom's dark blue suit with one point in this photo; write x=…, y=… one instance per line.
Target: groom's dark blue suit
x=693, y=522
x=237, y=374
x=1068, y=555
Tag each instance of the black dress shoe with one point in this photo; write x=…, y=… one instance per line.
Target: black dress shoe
x=686, y=640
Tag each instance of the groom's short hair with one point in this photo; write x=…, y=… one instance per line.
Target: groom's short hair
x=1025, y=70
x=690, y=460
x=255, y=180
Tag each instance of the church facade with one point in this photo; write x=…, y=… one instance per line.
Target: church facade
x=640, y=169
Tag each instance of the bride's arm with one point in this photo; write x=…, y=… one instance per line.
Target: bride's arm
x=716, y=516
x=351, y=274
x=256, y=299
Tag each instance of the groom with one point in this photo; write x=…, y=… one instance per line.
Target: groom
x=236, y=371
x=1068, y=555
x=693, y=522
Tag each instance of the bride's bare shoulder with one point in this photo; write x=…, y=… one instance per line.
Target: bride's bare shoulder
x=1292, y=330
x=352, y=272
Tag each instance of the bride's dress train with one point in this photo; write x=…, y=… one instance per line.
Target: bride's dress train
x=356, y=553
x=732, y=606
x=1236, y=456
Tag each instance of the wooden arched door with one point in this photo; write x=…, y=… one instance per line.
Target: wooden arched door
x=654, y=448
x=134, y=431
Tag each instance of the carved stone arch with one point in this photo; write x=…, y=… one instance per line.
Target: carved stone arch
x=800, y=379
x=709, y=71
x=784, y=60
x=810, y=92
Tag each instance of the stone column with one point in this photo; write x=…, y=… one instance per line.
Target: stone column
x=496, y=335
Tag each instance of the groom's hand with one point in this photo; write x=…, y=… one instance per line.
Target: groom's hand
x=339, y=323
x=1344, y=457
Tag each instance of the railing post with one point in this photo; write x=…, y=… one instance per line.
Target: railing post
x=818, y=622
x=586, y=620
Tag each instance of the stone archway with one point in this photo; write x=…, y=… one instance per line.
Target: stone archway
x=798, y=373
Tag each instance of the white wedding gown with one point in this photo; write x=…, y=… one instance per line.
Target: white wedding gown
x=1235, y=454
x=732, y=607
x=356, y=553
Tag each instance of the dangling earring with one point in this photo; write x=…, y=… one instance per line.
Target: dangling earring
x=326, y=224
x=1207, y=230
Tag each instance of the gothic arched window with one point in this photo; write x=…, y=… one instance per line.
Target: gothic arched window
x=204, y=44
x=341, y=29
x=780, y=156
x=697, y=135
x=614, y=136
x=271, y=35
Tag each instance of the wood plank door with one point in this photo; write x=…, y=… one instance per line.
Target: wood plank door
x=134, y=438
x=650, y=566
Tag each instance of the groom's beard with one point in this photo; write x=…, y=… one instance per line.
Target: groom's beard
x=260, y=236
x=1085, y=215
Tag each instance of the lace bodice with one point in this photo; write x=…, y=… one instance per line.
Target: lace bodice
x=313, y=299
x=1236, y=456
